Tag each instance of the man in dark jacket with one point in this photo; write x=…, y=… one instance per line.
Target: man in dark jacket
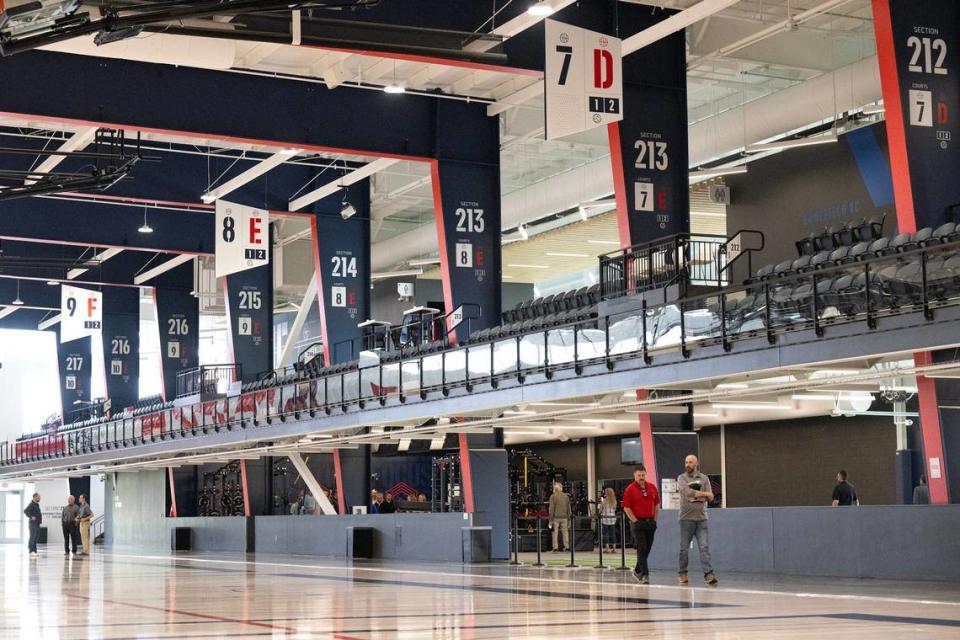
x=71, y=528
x=35, y=519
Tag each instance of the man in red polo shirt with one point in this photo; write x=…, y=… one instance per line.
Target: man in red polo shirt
x=641, y=502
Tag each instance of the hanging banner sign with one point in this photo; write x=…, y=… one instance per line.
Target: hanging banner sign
x=178, y=322
x=917, y=45
x=243, y=238
x=81, y=312
x=583, y=79
x=121, y=346
x=75, y=367
x=249, y=297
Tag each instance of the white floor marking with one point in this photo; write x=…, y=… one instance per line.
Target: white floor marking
x=684, y=590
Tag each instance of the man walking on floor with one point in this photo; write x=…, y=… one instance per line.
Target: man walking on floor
x=641, y=503
x=35, y=520
x=695, y=492
x=71, y=529
x=559, y=515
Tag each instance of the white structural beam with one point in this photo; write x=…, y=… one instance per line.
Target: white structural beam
x=289, y=353
x=516, y=25
x=322, y=501
x=677, y=22
x=162, y=268
x=515, y=99
x=6, y=311
x=103, y=256
x=249, y=175
x=353, y=177
x=49, y=322
x=76, y=142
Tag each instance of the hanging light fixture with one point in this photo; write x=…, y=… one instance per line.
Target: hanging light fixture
x=145, y=228
x=394, y=87
x=540, y=9
x=17, y=301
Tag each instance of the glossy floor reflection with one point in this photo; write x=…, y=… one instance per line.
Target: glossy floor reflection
x=117, y=595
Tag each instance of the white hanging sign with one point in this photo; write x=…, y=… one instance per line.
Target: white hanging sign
x=81, y=312
x=583, y=79
x=243, y=238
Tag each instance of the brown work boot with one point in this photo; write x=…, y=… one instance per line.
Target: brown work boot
x=683, y=578
x=710, y=578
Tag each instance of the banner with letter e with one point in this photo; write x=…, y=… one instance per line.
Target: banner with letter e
x=243, y=238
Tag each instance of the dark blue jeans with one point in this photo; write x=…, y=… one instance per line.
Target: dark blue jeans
x=690, y=529
x=34, y=536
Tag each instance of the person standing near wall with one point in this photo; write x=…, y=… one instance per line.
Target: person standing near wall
x=34, y=520
x=558, y=511
x=71, y=530
x=921, y=493
x=641, y=504
x=844, y=494
x=695, y=492
x=84, y=516
x=608, y=520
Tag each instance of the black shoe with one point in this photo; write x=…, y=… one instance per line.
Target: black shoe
x=710, y=579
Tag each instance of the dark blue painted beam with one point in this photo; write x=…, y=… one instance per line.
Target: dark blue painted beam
x=228, y=106
x=23, y=320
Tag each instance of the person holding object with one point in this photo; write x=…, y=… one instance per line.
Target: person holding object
x=844, y=494
x=695, y=492
x=641, y=504
x=35, y=519
x=559, y=514
x=84, y=517
x=71, y=530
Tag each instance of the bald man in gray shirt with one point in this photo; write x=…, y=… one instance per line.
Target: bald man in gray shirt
x=695, y=493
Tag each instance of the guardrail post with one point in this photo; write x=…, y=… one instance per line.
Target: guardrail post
x=494, y=383
x=539, y=562
x=925, y=293
x=546, y=354
x=519, y=364
x=600, y=564
x=645, y=347
x=871, y=318
x=683, y=332
x=516, y=542
x=768, y=316
x=576, y=352
x=572, y=541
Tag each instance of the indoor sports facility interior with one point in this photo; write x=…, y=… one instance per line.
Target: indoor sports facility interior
x=479, y=319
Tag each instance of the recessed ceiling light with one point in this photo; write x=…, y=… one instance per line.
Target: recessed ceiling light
x=616, y=242
x=53, y=283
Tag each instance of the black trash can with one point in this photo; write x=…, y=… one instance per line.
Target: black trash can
x=43, y=536
x=476, y=543
x=360, y=542
x=181, y=539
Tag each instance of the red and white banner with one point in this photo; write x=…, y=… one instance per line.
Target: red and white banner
x=81, y=312
x=583, y=79
x=243, y=238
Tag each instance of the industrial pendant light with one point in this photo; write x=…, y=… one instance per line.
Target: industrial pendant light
x=540, y=9
x=146, y=228
x=17, y=301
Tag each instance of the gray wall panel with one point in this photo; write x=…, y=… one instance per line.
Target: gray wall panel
x=228, y=533
x=816, y=541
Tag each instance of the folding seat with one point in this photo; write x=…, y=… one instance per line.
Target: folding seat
x=781, y=301
x=841, y=295
x=951, y=277
x=763, y=273
x=896, y=245
x=581, y=298
x=858, y=252
x=890, y=288
x=939, y=278
x=820, y=260
x=946, y=233
x=839, y=255
x=807, y=246
x=842, y=236
x=869, y=230
x=801, y=264
x=783, y=268
x=570, y=300
x=823, y=240
x=802, y=301
x=881, y=247
x=918, y=240
x=593, y=294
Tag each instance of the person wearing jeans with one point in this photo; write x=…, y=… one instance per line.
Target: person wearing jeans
x=559, y=515
x=641, y=504
x=695, y=492
x=71, y=529
x=35, y=520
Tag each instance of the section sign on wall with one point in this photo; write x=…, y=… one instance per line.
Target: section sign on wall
x=75, y=368
x=178, y=320
x=583, y=79
x=81, y=312
x=250, y=314
x=121, y=346
x=243, y=238
x=917, y=44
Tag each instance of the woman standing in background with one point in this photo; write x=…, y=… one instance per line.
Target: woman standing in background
x=608, y=520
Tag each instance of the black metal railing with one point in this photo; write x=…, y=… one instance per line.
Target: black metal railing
x=210, y=379
x=678, y=259
x=920, y=280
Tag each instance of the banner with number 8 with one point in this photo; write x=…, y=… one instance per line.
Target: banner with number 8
x=242, y=238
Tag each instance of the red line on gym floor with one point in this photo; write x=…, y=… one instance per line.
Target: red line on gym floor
x=205, y=616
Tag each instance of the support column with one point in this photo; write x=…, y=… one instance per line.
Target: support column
x=249, y=305
x=646, y=442
x=466, y=200
x=173, y=493
x=352, y=468
x=466, y=477
x=178, y=320
x=245, y=487
x=341, y=252
x=919, y=66
x=121, y=346
x=591, y=469
x=315, y=489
